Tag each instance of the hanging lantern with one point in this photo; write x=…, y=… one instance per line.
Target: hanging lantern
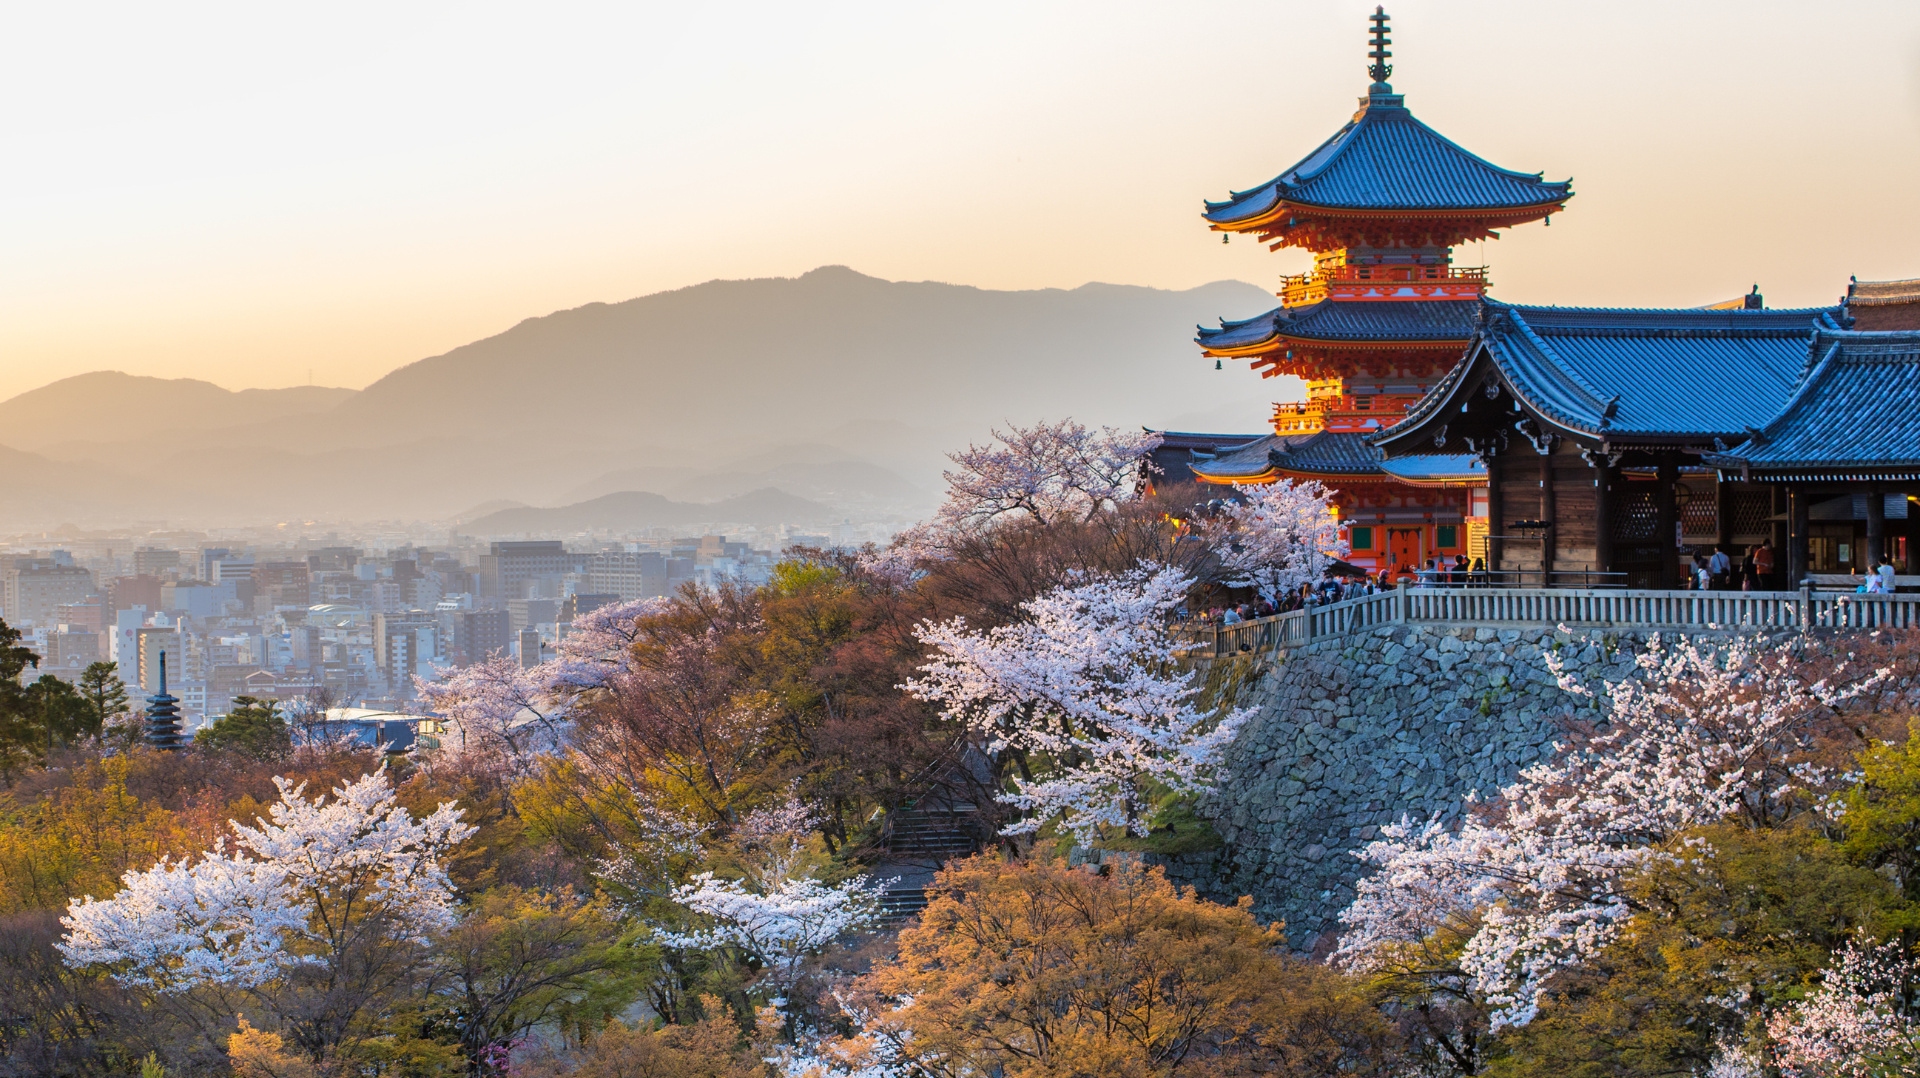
x=1217, y=366
x=1225, y=236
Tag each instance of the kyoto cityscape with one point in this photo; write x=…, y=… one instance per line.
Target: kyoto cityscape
x=1405, y=616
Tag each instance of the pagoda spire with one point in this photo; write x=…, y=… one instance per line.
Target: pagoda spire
x=163, y=716
x=1380, y=69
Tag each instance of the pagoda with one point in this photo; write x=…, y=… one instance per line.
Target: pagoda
x=1383, y=315
x=163, y=715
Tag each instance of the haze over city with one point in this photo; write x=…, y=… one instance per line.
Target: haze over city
x=936, y=540
x=272, y=196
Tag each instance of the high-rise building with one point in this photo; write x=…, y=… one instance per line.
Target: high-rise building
x=483, y=633
x=629, y=574
x=284, y=582
x=152, y=643
x=127, y=592
x=507, y=569
x=154, y=562
x=527, y=613
x=34, y=587
x=394, y=634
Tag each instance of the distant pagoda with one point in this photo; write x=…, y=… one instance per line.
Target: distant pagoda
x=1385, y=312
x=163, y=716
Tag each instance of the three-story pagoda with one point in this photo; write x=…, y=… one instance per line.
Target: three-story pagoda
x=1383, y=315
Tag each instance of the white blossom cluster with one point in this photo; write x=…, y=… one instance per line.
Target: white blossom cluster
x=780, y=913
x=1855, y=1025
x=1087, y=681
x=1532, y=882
x=1052, y=472
x=503, y=710
x=1281, y=536
x=242, y=917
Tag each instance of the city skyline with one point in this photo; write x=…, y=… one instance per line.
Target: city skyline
x=252, y=196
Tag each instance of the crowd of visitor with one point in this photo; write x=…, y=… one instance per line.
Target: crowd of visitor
x=1718, y=571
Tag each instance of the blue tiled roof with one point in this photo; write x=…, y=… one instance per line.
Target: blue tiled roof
x=1386, y=159
x=1324, y=452
x=1351, y=320
x=1180, y=451
x=1857, y=410
x=1621, y=371
x=1429, y=467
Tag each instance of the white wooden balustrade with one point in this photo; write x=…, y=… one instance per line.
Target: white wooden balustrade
x=1687, y=611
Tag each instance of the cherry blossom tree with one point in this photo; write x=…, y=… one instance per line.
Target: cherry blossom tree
x=244, y=916
x=500, y=709
x=1276, y=538
x=512, y=713
x=1087, y=681
x=1532, y=884
x=310, y=891
x=1051, y=472
x=781, y=913
x=598, y=650
x=1857, y=1024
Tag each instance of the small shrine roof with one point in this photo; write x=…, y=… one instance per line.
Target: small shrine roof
x=1613, y=372
x=1855, y=412
x=1179, y=451
x=1426, y=468
x=1349, y=321
x=1878, y=293
x=1336, y=454
x=1385, y=159
x=1322, y=452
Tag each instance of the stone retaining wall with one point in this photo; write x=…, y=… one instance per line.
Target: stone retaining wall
x=1353, y=733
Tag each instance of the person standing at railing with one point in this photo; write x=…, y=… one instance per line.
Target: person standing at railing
x=1720, y=569
x=1763, y=565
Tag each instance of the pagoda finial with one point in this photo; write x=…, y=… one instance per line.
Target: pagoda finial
x=1380, y=69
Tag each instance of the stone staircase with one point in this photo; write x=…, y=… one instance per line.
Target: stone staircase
x=918, y=840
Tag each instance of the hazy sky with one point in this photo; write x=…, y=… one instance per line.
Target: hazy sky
x=245, y=192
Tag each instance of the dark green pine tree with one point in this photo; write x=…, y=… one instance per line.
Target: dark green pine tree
x=106, y=695
x=22, y=735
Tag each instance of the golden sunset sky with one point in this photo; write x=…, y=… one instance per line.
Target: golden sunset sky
x=246, y=192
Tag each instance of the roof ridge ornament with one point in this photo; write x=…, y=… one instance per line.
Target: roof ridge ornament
x=1380, y=69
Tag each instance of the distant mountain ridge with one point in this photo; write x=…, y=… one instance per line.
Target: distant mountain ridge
x=838, y=388
x=111, y=406
x=633, y=510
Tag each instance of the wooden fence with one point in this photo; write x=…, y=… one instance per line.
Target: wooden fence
x=1687, y=611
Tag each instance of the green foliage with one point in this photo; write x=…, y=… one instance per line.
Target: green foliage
x=1883, y=813
x=106, y=695
x=253, y=728
x=797, y=577
x=22, y=735
x=518, y=959
x=1174, y=827
x=1726, y=933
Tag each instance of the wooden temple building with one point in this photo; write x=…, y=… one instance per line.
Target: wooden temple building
x=1566, y=445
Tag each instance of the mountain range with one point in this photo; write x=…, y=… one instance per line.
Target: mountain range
x=836, y=389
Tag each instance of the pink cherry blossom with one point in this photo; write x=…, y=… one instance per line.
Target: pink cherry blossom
x=231, y=917
x=1532, y=882
x=1087, y=680
x=1278, y=537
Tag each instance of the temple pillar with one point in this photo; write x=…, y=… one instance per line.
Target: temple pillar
x=1876, y=526
x=1603, y=518
x=1496, y=515
x=1777, y=507
x=1723, y=517
x=1667, y=519
x=1547, y=534
x=1913, y=536
x=1797, y=531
